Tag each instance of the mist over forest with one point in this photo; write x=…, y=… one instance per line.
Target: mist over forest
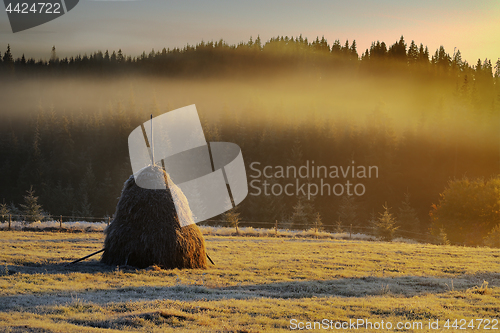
x=423, y=118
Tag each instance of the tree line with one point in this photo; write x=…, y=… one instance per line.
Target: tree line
x=277, y=54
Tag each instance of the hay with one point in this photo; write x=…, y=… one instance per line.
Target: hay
x=146, y=229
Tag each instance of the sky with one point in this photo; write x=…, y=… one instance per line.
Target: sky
x=473, y=27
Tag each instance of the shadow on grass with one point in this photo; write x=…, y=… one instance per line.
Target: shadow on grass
x=404, y=286
x=90, y=266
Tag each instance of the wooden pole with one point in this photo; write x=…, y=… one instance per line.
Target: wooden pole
x=90, y=255
x=276, y=228
x=210, y=259
x=60, y=223
x=10, y=219
x=350, y=231
x=109, y=218
x=152, y=143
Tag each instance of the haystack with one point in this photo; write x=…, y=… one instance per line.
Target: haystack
x=146, y=229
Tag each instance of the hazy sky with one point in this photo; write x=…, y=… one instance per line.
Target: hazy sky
x=135, y=26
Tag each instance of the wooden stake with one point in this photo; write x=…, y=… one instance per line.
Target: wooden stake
x=60, y=223
x=90, y=255
x=109, y=218
x=10, y=218
x=350, y=231
x=276, y=228
x=210, y=259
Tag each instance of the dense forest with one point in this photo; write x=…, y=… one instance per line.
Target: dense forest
x=436, y=118
x=277, y=54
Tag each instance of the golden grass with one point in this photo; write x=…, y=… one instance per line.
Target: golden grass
x=258, y=284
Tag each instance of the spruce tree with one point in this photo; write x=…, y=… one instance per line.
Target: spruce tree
x=385, y=226
x=31, y=210
x=4, y=211
x=442, y=237
x=413, y=54
x=318, y=224
x=120, y=58
x=338, y=226
x=7, y=57
x=348, y=211
x=479, y=66
x=85, y=209
x=299, y=216
x=407, y=217
x=354, y=51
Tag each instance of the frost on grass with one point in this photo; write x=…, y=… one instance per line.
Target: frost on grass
x=258, y=284
x=84, y=226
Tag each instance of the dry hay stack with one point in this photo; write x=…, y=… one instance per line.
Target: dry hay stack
x=146, y=229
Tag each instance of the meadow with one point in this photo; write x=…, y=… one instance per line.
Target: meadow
x=258, y=284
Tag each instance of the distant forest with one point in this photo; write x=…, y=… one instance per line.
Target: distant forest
x=77, y=162
x=279, y=53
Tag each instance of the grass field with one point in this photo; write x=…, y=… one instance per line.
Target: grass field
x=258, y=284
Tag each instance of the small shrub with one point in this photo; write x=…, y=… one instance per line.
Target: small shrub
x=232, y=217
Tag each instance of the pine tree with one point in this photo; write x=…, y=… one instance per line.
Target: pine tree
x=338, y=226
x=299, y=216
x=413, y=54
x=336, y=47
x=31, y=210
x=85, y=209
x=442, y=58
x=423, y=54
x=487, y=67
x=346, y=50
x=318, y=224
x=120, y=58
x=258, y=43
x=407, y=216
x=385, y=226
x=7, y=57
x=4, y=211
x=398, y=49
x=442, y=237
x=348, y=211
x=457, y=63
x=354, y=51
x=479, y=66
x=14, y=210
x=497, y=69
